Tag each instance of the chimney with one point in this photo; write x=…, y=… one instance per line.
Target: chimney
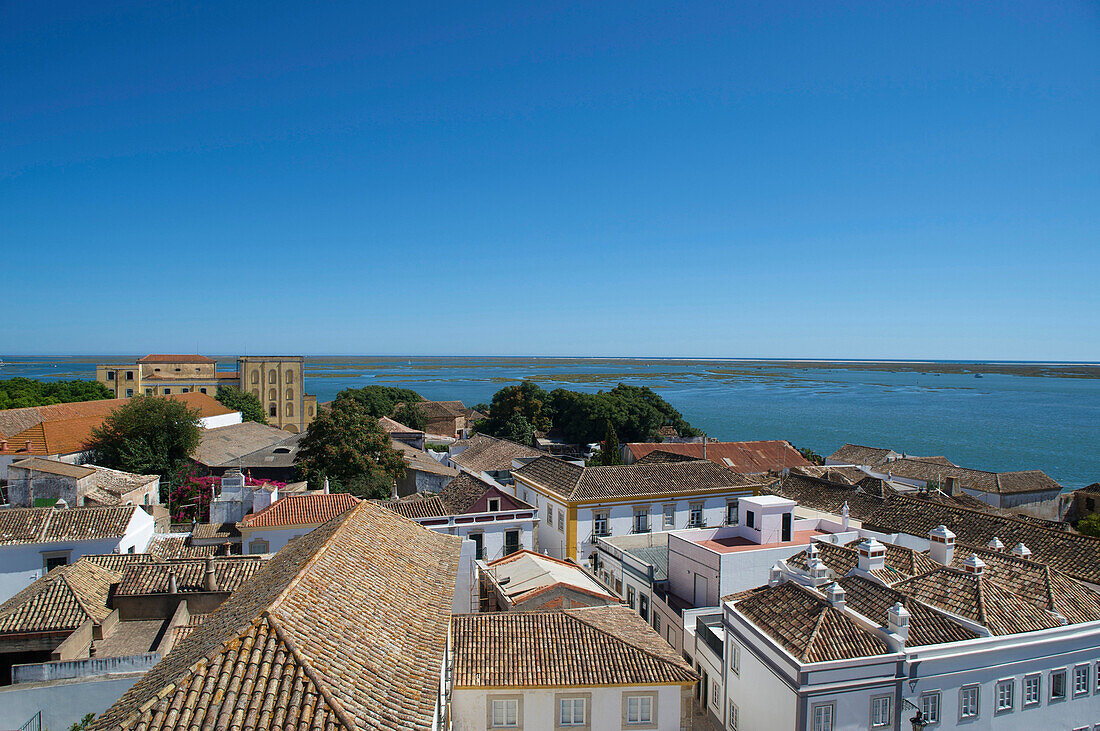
x=818, y=571
x=3, y=445
x=835, y=594
x=1021, y=551
x=325, y=489
x=210, y=580
x=704, y=446
x=942, y=548
x=872, y=555
x=897, y=621
x=844, y=516
x=61, y=504
x=393, y=492
x=995, y=545
x=973, y=565
x=951, y=486
x=27, y=444
x=172, y=588
x=775, y=576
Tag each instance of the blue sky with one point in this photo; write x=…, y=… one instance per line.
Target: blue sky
x=878, y=180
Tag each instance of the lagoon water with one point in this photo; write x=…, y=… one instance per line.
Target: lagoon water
x=1015, y=416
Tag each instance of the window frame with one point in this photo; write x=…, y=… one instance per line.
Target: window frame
x=736, y=517
x=696, y=509
x=976, y=688
x=478, y=538
x=630, y=596
x=1076, y=670
x=815, y=707
x=1010, y=684
x=938, y=697
x=598, y=517
x=715, y=692
x=731, y=719
x=490, y=708
x=641, y=516
x=668, y=516
x=889, y=716
x=253, y=544
x=735, y=658
x=48, y=556
x=561, y=521
x=572, y=698
x=642, y=724
x=1038, y=678
x=493, y=505
x=1065, y=685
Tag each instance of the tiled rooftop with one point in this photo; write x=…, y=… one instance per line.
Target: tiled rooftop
x=748, y=458
x=50, y=525
x=301, y=510
x=61, y=600
x=231, y=572
x=489, y=454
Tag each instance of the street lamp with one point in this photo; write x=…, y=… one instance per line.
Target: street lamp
x=918, y=722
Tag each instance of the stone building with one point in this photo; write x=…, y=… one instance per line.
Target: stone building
x=37, y=482
x=276, y=380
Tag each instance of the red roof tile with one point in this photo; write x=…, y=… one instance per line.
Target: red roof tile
x=748, y=458
x=161, y=358
x=302, y=510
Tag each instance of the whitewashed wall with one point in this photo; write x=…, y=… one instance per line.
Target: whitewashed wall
x=468, y=707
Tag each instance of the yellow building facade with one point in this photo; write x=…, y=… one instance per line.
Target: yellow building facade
x=276, y=380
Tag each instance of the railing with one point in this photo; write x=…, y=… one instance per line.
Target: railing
x=33, y=724
x=703, y=630
x=87, y=667
x=640, y=528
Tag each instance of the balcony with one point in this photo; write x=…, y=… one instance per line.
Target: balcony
x=640, y=528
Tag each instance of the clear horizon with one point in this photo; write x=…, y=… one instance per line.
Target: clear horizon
x=872, y=181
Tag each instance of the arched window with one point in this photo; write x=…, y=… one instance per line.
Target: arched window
x=290, y=393
x=271, y=395
x=255, y=377
x=271, y=377
x=271, y=410
x=290, y=409
x=256, y=393
x=290, y=376
x=311, y=411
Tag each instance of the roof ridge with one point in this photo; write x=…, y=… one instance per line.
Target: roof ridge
x=804, y=657
x=308, y=669
x=572, y=613
x=993, y=516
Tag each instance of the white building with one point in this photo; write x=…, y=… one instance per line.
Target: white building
x=844, y=638
x=35, y=540
x=519, y=670
x=236, y=499
x=580, y=504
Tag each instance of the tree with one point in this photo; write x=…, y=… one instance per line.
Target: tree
x=526, y=399
x=609, y=451
x=250, y=407
x=147, y=435
x=518, y=429
x=1089, y=525
x=410, y=416
x=18, y=393
x=379, y=401
x=346, y=445
x=84, y=723
x=190, y=493
x=811, y=456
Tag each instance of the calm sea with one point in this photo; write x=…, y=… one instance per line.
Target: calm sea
x=1015, y=416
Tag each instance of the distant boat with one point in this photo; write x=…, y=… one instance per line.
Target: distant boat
x=977, y=375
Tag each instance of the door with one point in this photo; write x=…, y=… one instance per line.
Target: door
x=700, y=599
x=786, y=527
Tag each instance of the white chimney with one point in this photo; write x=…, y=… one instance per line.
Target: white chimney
x=973, y=565
x=325, y=489
x=872, y=555
x=775, y=576
x=836, y=595
x=844, y=516
x=210, y=579
x=1021, y=551
x=942, y=550
x=897, y=621
x=818, y=571
x=393, y=492
x=995, y=544
x=172, y=589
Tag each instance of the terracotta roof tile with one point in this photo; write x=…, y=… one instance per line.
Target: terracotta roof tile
x=489, y=454
x=417, y=507
x=165, y=546
x=748, y=458
x=231, y=572
x=926, y=626
x=346, y=627
x=301, y=510
x=175, y=358
x=50, y=525
x=61, y=600
x=573, y=647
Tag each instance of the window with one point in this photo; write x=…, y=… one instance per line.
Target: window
x=823, y=717
x=561, y=521
x=167, y=391
x=731, y=512
x=53, y=559
x=657, y=623
x=479, y=545
x=930, y=706
x=733, y=716
x=148, y=392
x=290, y=376
x=1032, y=695
x=1004, y=692
x=549, y=515
x=1080, y=680
x=494, y=505
x=735, y=658
x=311, y=411
x=129, y=392
x=129, y=375
x=600, y=523
x=256, y=393
x=272, y=394
x=202, y=390
x=258, y=545
x=272, y=411
x=110, y=375
x=630, y=596
x=639, y=709
x=695, y=519
x=185, y=390
x=511, y=542
x=968, y=701
x=643, y=606
x=255, y=377
x=290, y=393
x=571, y=711
x=750, y=518
x=1058, y=685
x=714, y=693
x=290, y=409
x=670, y=517
x=504, y=713
x=641, y=520
x=882, y=712
x=271, y=378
